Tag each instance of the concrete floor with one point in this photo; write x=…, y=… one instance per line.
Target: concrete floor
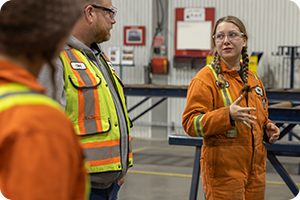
x=163, y=172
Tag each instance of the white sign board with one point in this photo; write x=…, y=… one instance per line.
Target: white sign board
x=194, y=35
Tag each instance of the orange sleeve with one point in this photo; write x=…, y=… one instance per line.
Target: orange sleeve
x=200, y=100
x=40, y=156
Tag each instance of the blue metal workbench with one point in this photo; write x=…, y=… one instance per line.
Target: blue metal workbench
x=280, y=116
x=181, y=90
x=276, y=149
x=151, y=90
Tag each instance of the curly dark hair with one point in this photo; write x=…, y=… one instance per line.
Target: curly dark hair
x=35, y=27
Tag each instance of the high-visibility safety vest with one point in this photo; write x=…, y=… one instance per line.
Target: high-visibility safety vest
x=227, y=102
x=91, y=108
x=14, y=94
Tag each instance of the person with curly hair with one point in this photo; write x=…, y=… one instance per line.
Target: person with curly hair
x=40, y=154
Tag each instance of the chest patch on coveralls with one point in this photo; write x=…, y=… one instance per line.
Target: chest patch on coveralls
x=226, y=84
x=78, y=65
x=259, y=91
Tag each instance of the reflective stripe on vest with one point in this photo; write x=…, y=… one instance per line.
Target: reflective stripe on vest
x=89, y=105
x=227, y=102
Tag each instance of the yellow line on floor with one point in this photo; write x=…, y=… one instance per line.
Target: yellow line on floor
x=159, y=174
x=190, y=176
x=140, y=149
x=161, y=148
x=173, y=149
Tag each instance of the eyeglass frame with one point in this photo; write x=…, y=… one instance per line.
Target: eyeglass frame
x=226, y=35
x=114, y=10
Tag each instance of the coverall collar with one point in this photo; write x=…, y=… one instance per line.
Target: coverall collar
x=232, y=73
x=252, y=82
x=11, y=73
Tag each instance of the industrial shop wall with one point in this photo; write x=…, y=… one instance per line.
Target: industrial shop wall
x=270, y=23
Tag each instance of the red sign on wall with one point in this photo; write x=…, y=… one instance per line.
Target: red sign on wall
x=134, y=35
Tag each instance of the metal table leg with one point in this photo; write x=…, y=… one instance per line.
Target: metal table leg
x=196, y=174
x=283, y=173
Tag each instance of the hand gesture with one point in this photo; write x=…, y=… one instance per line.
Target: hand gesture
x=237, y=113
x=272, y=132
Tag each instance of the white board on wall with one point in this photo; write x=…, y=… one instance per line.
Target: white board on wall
x=193, y=35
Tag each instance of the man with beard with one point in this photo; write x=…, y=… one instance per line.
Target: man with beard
x=92, y=95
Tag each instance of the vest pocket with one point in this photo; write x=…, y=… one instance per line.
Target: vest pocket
x=94, y=126
x=84, y=81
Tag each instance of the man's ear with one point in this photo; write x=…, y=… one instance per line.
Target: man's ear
x=88, y=13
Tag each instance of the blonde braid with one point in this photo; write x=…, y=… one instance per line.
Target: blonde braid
x=246, y=88
x=221, y=79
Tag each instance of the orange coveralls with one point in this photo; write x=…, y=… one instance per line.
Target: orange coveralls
x=40, y=153
x=232, y=167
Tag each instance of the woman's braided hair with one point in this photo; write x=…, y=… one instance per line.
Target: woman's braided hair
x=245, y=57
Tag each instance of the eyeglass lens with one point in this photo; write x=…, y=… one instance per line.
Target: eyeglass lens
x=232, y=35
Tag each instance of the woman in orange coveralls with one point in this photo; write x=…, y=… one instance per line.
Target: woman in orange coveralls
x=227, y=106
x=40, y=155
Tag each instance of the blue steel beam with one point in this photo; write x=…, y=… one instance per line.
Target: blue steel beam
x=185, y=140
x=155, y=90
x=196, y=174
x=285, y=95
x=286, y=130
x=180, y=91
x=139, y=103
x=154, y=105
x=283, y=173
x=285, y=115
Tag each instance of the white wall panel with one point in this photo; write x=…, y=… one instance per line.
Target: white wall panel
x=269, y=23
x=133, y=13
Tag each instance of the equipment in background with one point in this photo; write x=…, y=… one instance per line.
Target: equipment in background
x=254, y=60
x=290, y=52
x=159, y=61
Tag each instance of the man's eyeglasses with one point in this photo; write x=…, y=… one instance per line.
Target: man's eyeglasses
x=112, y=12
x=232, y=35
